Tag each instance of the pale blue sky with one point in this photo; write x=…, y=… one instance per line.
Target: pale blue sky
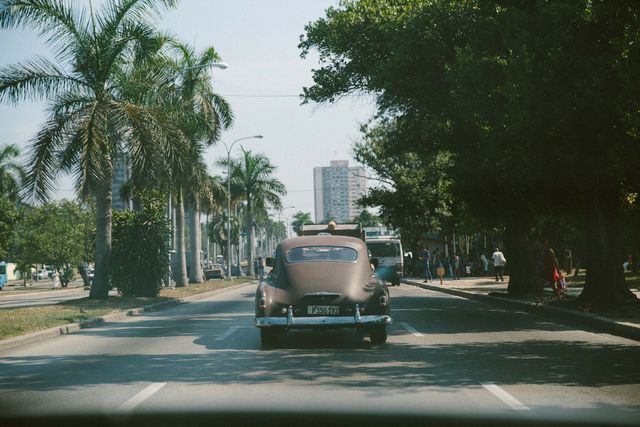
x=258, y=39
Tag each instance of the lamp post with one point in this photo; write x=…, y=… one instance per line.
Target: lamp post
x=229, y=148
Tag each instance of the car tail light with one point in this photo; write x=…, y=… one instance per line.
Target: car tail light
x=262, y=303
x=383, y=300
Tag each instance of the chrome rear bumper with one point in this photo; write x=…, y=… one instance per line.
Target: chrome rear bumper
x=354, y=321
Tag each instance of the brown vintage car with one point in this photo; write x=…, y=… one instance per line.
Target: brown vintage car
x=322, y=282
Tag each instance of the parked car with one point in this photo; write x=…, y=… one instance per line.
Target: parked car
x=215, y=271
x=41, y=275
x=321, y=282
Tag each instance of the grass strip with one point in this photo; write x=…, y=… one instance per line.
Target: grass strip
x=24, y=320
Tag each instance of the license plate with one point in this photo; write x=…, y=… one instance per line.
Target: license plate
x=324, y=310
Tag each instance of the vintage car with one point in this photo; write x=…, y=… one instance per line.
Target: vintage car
x=322, y=282
x=214, y=271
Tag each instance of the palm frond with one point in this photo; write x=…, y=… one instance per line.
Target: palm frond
x=39, y=181
x=34, y=79
x=50, y=17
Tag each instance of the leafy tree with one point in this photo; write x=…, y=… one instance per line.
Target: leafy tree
x=9, y=217
x=528, y=97
x=53, y=234
x=90, y=122
x=11, y=173
x=300, y=218
x=140, y=258
x=253, y=173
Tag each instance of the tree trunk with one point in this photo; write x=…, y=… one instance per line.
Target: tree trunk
x=101, y=279
x=520, y=260
x=180, y=275
x=605, y=283
x=195, y=243
x=249, y=227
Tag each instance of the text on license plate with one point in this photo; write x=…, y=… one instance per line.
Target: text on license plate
x=325, y=310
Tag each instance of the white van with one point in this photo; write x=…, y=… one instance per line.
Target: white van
x=388, y=253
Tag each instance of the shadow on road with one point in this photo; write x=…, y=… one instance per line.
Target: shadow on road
x=340, y=358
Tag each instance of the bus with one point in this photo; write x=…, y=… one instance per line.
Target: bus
x=388, y=253
x=3, y=274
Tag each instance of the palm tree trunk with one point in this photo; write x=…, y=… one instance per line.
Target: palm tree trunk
x=101, y=279
x=195, y=243
x=181, y=259
x=250, y=240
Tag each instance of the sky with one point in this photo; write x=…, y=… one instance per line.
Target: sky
x=258, y=39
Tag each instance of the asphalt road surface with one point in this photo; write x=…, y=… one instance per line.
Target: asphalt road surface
x=444, y=354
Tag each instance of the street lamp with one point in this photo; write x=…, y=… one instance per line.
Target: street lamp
x=229, y=148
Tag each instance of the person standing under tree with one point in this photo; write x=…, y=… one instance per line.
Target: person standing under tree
x=456, y=266
x=498, y=264
x=485, y=264
x=426, y=259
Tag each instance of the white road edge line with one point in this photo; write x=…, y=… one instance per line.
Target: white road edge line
x=140, y=397
x=411, y=329
x=227, y=333
x=501, y=394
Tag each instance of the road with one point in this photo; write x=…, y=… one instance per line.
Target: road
x=444, y=354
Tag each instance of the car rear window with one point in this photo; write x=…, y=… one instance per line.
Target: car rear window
x=321, y=254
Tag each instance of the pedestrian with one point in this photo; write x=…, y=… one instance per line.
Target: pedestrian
x=485, y=265
x=255, y=267
x=498, y=264
x=426, y=259
x=55, y=279
x=456, y=266
x=550, y=270
x=440, y=272
x=261, y=265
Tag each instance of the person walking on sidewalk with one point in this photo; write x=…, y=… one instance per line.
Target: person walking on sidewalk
x=498, y=264
x=426, y=259
x=485, y=265
x=456, y=266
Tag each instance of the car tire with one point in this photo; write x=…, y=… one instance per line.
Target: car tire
x=268, y=336
x=378, y=335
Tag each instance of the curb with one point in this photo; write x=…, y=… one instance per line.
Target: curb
x=563, y=315
x=69, y=328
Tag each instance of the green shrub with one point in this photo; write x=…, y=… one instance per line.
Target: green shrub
x=140, y=251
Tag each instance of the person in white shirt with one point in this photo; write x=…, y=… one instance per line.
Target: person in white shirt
x=498, y=264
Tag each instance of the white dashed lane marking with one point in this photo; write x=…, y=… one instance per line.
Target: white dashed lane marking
x=501, y=394
x=411, y=329
x=140, y=397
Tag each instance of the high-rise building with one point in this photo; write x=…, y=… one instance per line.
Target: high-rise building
x=121, y=175
x=336, y=190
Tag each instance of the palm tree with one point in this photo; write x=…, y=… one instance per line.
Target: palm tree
x=300, y=218
x=11, y=173
x=204, y=115
x=90, y=123
x=212, y=198
x=254, y=174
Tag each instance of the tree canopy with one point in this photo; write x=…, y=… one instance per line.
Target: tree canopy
x=534, y=104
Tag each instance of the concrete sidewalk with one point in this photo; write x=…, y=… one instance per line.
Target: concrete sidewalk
x=487, y=290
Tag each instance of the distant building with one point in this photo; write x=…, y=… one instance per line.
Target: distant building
x=121, y=175
x=336, y=190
